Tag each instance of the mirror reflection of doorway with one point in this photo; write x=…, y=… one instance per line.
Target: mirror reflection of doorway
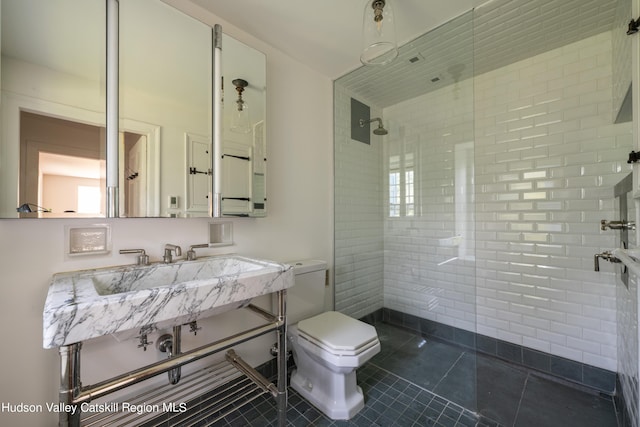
x=69, y=184
x=62, y=168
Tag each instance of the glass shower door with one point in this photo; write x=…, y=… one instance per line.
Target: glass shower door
x=405, y=215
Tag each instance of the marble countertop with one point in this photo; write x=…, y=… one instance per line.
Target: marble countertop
x=90, y=303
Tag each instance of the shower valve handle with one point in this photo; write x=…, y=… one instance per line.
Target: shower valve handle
x=617, y=225
x=606, y=255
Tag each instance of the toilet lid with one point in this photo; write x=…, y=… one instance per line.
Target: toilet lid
x=337, y=333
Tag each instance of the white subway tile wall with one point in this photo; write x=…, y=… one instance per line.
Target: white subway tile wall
x=358, y=215
x=537, y=140
x=548, y=155
x=621, y=53
x=429, y=268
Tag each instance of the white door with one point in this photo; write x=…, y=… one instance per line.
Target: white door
x=137, y=179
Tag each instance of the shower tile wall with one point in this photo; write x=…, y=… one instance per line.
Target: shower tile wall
x=621, y=42
x=547, y=151
x=358, y=223
x=429, y=256
x=546, y=160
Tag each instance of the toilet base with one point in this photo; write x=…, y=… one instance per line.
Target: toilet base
x=345, y=407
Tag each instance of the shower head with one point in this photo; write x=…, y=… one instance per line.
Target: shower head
x=380, y=130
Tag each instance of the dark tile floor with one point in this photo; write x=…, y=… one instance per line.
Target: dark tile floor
x=505, y=393
x=415, y=381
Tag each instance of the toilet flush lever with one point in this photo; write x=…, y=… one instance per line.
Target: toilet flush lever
x=606, y=255
x=617, y=225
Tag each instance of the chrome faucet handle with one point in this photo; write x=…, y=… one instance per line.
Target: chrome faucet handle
x=167, y=258
x=144, y=342
x=143, y=258
x=607, y=256
x=191, y=253
x=193, y=327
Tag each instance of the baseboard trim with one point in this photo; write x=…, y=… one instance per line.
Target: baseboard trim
x=601, y=380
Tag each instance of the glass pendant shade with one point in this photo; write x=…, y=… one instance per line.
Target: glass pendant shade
x=379, y=45
x=240, y=122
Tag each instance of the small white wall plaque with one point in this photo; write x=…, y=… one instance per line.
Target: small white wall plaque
x=88, y=239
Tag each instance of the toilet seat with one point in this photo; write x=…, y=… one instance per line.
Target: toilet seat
x=339, y=335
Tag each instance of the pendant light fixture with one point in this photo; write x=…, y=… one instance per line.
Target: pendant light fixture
x=240, y=122
x=379, y=45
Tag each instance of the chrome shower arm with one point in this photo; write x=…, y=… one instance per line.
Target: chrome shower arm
x=365, y=122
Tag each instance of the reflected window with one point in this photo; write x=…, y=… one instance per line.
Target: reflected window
x=464, y=202
x=408, y=185
x=401, y=185
x=89, y=199
x=61, y=180
x=394, y=193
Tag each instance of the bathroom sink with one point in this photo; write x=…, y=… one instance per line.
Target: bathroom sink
x=90, y=303
x=125, y=280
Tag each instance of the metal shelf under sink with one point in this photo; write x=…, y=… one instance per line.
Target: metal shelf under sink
x=210, y=394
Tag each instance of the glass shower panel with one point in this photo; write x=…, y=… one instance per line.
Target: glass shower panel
x=475, y=219
x=547, y=158
x=404, y=210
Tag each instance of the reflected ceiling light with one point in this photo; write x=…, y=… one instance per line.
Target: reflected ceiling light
x=26, y=207
x=379, y=44
x=240, y=122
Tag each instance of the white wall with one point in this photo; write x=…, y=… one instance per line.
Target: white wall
x=299, y=226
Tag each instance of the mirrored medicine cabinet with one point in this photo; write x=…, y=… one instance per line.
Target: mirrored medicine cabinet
x=187, y=143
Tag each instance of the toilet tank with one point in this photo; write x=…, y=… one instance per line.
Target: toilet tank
x=306, y=297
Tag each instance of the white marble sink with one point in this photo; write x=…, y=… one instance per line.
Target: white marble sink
x=90, y=303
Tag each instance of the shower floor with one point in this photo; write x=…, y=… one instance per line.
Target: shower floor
x=415, y=381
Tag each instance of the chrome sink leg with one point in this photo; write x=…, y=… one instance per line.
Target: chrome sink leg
x=281, y=334
x=171, y=345
x=70, y=385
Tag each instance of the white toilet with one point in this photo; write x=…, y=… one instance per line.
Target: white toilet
x=327, y=347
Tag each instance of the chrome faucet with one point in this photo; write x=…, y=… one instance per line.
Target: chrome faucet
x=617, y=225
x=167, y=258
x=191, y=253
x=143, y=258
x=171, y=345
x=607, y=256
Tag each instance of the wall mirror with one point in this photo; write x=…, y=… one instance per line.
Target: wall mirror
x=53, y=144
x=243, y=130
x=53, y=108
